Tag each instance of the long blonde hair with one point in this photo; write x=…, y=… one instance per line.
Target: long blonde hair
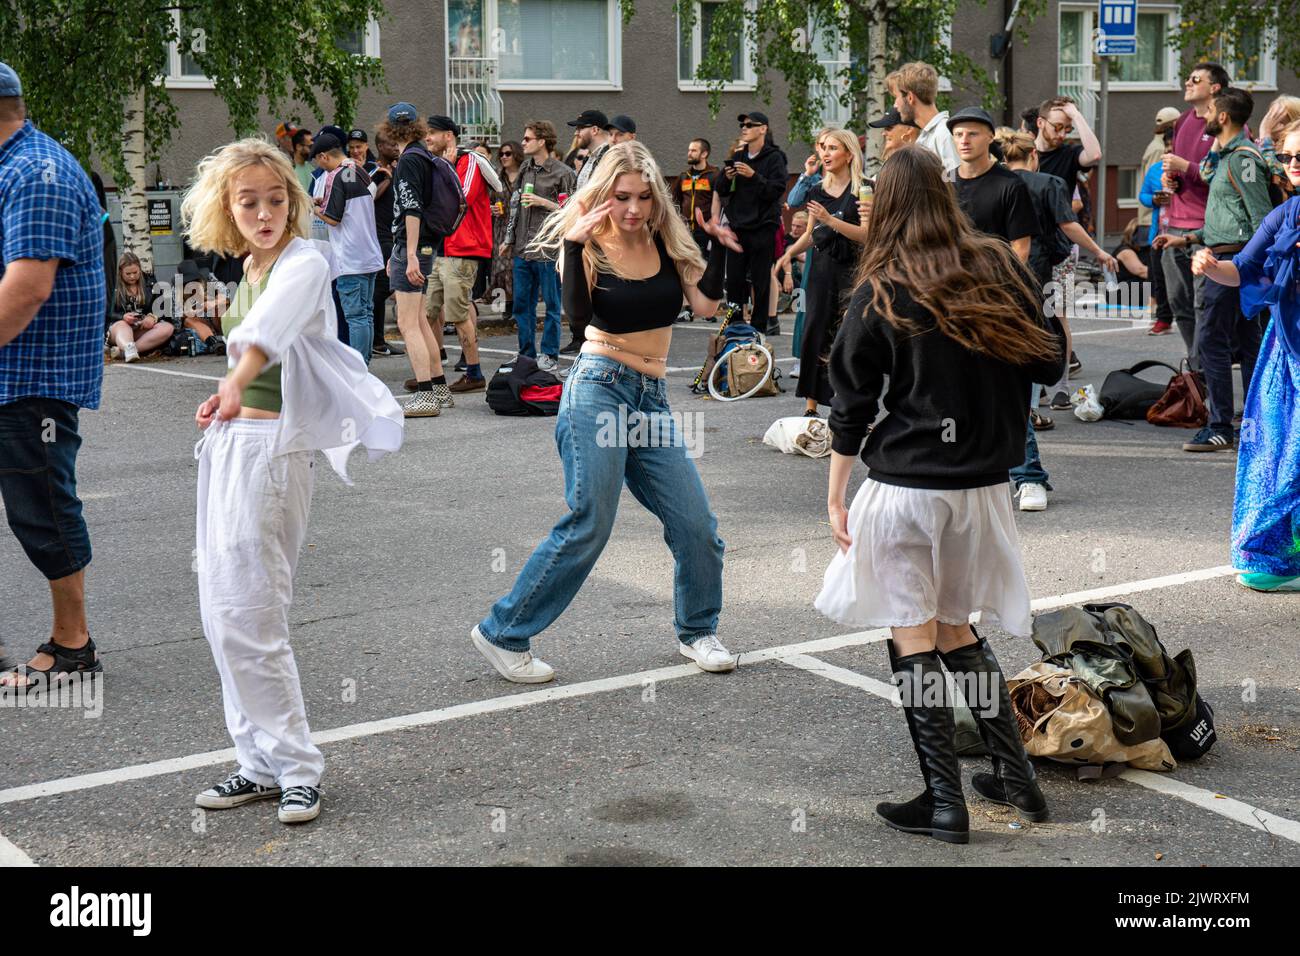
x=205, y=210
x=663, y=222
x=849, y=141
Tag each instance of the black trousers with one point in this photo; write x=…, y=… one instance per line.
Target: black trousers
x=752, y=267
x=382, y=292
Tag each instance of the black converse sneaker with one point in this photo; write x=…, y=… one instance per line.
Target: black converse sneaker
x=442, y=395
x=299, y=804
x=234, y=791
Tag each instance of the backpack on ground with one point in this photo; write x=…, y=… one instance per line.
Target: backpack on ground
x=520, y=388
x=444, y=207
x=1124, y=395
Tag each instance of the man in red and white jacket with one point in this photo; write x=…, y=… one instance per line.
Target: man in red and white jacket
x=451, y=282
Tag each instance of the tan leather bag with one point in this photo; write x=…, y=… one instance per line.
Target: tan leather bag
x=1061, y=719
x=746, y=364
x=1183, y=403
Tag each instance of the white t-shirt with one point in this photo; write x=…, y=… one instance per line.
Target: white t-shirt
x=937, y=138
x=349, y=197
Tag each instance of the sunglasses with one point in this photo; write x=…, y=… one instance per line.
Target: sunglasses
x=506, y=154
x=750, y=125
x=1195, y=80
x=1065, y=130
x=1286, y=159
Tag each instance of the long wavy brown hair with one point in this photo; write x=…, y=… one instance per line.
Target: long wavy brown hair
x=919, y=240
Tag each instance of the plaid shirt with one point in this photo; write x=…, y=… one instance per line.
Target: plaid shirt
x=49, y=210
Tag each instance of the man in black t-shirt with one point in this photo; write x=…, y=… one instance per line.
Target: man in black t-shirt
x=1058, y=118
x=996, y=199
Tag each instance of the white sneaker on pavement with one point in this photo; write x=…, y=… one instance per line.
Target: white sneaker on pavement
x=519, y=668
x=547, y=364
x=709, y=654
x=131, y=353
x=1033, y=497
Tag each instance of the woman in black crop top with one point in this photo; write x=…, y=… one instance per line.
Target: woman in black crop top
x=627, y=258
x=835, y=232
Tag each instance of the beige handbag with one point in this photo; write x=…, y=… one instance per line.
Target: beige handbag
x=1060, y=718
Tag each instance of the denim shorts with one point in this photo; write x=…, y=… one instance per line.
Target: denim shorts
x=38, y=482
x=397, y=280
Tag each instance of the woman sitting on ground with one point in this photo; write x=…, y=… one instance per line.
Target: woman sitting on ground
x=133, y=329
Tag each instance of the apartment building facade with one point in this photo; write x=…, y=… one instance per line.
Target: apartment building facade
x=495, y=64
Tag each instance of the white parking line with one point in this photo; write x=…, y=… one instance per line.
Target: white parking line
x=167, y=371
x=526, y=699
x=10, y=855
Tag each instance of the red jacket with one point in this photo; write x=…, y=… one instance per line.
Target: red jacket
x=473, y=238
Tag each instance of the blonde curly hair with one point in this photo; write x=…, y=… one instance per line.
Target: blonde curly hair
x=205, y=210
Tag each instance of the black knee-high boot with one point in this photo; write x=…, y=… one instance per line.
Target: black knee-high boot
x=940, y=811
x=1012, y=782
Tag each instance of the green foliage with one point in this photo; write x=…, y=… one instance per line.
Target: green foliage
x=1212, y=29
x=787, y=35
x=80, y=61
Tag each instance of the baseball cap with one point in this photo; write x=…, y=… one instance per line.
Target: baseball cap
x=323, y=143
x=357, y=136
x=334, y=131
x=445, y=123
x=10, y=85
x=402, y=113
x=1167, y=115
x=972, y=114
x=753, y=115
x=624, y=124
x=891, y=119
x=590, y=118
x=285, y=129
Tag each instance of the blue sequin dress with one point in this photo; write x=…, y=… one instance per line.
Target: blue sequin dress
x=1266, y=510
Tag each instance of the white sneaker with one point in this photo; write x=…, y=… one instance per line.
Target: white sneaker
x=1033, y=497
x=709, y=654
x=130, y=353
x=520, y=668
x=794, y=371
x=547, y=364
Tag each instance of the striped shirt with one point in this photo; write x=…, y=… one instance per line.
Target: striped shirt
x=48, y=210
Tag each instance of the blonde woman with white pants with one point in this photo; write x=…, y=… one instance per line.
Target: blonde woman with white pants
x=293, y=388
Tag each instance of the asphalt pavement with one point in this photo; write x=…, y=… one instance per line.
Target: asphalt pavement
x=632, y=756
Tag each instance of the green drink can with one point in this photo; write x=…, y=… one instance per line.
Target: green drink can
x=528, y=188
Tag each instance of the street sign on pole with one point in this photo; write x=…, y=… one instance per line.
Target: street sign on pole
x=1117, y=28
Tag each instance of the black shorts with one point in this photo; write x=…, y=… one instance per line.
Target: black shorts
x=38, y=482
x=397, y=280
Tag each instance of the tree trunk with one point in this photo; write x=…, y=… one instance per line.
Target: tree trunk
x=877, y=70
x=135, y=212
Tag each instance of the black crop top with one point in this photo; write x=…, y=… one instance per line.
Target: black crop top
x=618, y=305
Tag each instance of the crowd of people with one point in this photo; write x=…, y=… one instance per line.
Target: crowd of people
x=925, y=274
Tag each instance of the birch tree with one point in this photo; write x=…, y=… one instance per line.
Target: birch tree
x=94, y=72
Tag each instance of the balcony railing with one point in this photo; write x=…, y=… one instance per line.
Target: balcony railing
x=472, y=98
x=1075, y=81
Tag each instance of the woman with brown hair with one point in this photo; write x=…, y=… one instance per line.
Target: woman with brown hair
x=133, y=328
x=952, y=318
x=509, y=159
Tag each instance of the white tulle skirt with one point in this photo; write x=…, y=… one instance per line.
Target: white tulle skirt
x=920, y=554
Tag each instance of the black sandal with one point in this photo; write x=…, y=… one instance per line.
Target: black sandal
x=1041, y=422
x=67, y=663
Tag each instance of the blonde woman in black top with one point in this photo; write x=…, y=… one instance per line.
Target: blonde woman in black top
x=132, y=326
x=627, y=260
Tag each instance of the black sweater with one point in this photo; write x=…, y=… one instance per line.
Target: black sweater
x=755, y=201
x=957, y=419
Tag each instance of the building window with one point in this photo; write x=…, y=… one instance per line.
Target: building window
x=1252, y=63
x=361, y=42
x=571, y=44
x=692, y=45
x=1129, y=183
x=1154, y=65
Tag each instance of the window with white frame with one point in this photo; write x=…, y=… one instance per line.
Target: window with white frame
x=182, y=69
x=693, y=44
x=1128, y=184
x=558, y=44
x=362, y=41
x=1251, y=61
x=1154, y=65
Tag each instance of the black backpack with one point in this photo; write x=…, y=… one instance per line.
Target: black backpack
x=1124, y=395
x=503, y=391
x=444, y=207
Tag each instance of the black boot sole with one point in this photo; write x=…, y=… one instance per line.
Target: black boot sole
x=947, y=836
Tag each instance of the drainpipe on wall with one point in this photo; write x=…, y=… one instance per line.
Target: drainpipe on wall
x=1000, y=50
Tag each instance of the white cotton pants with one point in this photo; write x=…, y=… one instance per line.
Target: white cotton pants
x=252, y=517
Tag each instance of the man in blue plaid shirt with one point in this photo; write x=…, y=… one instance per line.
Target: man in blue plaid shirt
x=52, y=308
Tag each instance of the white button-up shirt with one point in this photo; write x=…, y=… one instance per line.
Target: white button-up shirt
x=937, y=139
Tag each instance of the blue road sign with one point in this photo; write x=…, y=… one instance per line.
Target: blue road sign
x=1117, y=27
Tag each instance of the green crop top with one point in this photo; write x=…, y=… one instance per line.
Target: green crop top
x=264, y=391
